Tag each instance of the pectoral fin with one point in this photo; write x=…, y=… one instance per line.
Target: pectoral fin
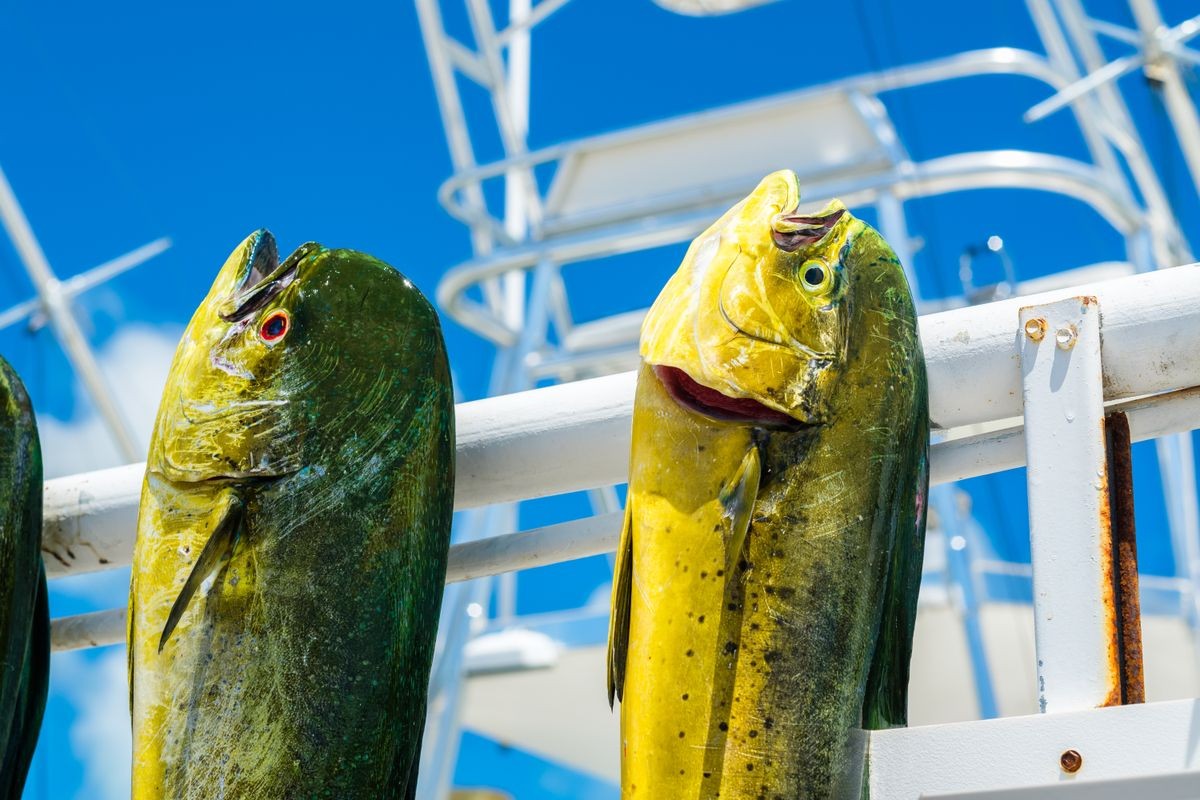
x=738, y=496
x=215, y=555
x=618, y=625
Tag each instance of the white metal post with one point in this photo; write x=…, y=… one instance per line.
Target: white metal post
x=63, y=322
x=1163, y=68
x=1070, y=538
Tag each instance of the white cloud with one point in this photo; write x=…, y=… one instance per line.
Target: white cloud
x=135, y=364
x=100, y=734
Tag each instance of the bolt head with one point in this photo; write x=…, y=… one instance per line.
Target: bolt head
x=1035, y=329
x=1065, y=337
x=1070, y=761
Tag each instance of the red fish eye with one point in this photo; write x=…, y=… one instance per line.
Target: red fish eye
x=274, y=327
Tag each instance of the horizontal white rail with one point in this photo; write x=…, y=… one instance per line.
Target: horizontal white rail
x=576, y=436
x=951, y=460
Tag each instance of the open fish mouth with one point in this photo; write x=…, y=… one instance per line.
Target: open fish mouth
x=694, y=396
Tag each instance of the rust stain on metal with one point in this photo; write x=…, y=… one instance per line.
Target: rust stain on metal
x=1108, y=593
x=1129, y=612
x=1070, y=761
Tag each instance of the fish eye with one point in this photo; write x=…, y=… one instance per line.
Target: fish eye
x=275, y=326
x=814, y=275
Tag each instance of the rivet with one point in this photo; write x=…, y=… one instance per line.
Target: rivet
x=1070, y=761
x=1065, y=337
x=1035, y=329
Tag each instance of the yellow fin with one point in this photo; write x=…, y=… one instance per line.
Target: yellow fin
x=618, y=624
x=738, y=496
x=215, y=555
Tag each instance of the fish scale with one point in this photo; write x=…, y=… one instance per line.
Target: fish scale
x=766, y=580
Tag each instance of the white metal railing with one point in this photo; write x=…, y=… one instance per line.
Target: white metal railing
x=575, y=437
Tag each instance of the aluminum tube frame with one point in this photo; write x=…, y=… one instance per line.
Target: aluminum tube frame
x=525, y=445
x=951, y=460
x=963, y=172
x=992, y=61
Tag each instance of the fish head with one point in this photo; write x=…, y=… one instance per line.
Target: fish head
x=752, y=326
x=284, y=365
x=227, y=407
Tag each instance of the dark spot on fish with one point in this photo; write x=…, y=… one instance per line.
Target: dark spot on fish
x=723, y=726
x=680, y=772
x=771, y=656
x=685, y=697
x=700, y=448
x=689, y=654
x=700, y=618
x=749, y=768
x=703, y=574
x=685, y=567
x=753, y=734
x=769, y=723
x=730, y=648
x=769, y=590
x=733, y=606
x=720, y=573
x=681, y=734
x=708, y=774
x=753, y=626
x=786, y=593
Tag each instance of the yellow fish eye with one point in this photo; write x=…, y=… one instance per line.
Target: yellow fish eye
x=814, y=276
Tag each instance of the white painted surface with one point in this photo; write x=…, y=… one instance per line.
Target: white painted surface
x=1018, y=757
x=1069, y=534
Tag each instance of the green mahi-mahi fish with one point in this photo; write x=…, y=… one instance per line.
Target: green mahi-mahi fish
x=24, y=613
x=766, y=579
x=292, y=536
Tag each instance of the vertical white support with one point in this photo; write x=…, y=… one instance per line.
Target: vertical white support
x=1070, y=537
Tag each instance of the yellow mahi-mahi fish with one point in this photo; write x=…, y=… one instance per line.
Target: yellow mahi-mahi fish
x=766, y=579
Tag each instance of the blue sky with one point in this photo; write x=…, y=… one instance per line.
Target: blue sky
x=319, y=121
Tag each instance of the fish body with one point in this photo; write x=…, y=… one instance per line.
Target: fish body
x=292, y=536
x=24, y=613
x=766, y=580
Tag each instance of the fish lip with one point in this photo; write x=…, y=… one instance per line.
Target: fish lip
x=695, y=396
x=245, y=300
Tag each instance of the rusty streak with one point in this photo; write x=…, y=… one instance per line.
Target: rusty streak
x=1129, y=612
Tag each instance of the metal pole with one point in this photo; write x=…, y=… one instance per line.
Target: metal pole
x=1170, y=246
x=1070, y=539
x=62, y=321
x=945, y=499
x=109, y=529
x=1162, y=67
